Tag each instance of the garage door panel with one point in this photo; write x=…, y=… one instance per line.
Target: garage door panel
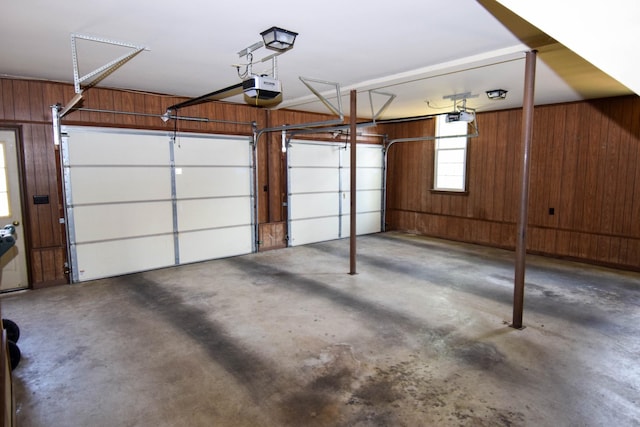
x=314, y=230
x=212, y=181
x=116, y=221
x=366, y=201
x=366, y=223
x=314, y=205
x=212, y=244
x=366, y=156
x=316, y=170
x=213, y=213
x=314, y=180
x=366, y=178
x=112, y=258
x=100, y=146
x=120, y=184
x=128, y=208
x=316, y=155
x=204, y=151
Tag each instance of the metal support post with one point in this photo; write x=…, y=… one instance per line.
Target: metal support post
x=521, y=243
x=352, y=232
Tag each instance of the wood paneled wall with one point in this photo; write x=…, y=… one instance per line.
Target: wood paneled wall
x=26, y=105
x=23, y=105
x=584, y=166
x=584, y=169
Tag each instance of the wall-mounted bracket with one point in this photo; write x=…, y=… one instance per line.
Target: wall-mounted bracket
x=390, y=98
x=337, y=110
x=460, y=97
x=99, y=73
x=71, y=104
x=104, y=71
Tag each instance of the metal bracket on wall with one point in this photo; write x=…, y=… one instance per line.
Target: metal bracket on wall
x=99, y=73
x=376, y=114
x=335, y=109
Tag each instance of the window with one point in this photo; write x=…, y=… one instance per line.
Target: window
x=450, y=155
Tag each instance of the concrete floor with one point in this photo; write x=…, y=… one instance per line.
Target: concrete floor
x=419, y=337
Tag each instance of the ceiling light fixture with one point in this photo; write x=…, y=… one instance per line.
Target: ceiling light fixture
x=278, y=39
x=497, y=94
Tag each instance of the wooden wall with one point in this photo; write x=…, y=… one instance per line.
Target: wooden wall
x=26, y=105
x=23, y=105
x=584, y=166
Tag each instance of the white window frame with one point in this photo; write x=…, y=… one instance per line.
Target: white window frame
x=451, y=140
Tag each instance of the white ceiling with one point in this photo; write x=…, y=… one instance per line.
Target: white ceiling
x=418, y=50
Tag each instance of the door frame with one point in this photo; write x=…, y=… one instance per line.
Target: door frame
x=26, y=214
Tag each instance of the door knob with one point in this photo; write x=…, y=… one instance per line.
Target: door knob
x=16, y=223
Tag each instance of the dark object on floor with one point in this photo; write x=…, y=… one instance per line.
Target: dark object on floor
x=13, y=335
x=14, y=354
x=13, y=331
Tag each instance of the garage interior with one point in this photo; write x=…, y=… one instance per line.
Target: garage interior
x=248, y=257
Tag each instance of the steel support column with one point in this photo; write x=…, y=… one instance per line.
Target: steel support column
x=353, y=134
x=521, y=242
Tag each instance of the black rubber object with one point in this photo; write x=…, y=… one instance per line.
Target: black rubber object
x=14, y=354
x=13, y=331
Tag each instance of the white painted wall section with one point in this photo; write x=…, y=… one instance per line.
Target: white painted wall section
x=605, y=33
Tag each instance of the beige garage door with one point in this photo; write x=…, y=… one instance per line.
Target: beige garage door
x=139, y=200
x=319, y=191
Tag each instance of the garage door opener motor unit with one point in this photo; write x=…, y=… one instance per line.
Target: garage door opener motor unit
x=261, y=87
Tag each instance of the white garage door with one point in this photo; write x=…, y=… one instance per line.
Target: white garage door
x=213, y=191
x=137, y=201
x=319, y=191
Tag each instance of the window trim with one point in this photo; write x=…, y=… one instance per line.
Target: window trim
x=465, y=168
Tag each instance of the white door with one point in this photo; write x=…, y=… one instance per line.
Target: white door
x=319, y=190
x=14, y=262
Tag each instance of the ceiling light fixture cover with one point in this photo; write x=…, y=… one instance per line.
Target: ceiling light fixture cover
x=497, y=94
x=278, y=39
